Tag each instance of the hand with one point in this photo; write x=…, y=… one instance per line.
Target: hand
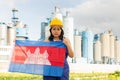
x=66, y=41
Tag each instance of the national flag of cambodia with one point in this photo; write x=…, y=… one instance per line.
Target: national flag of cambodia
x=37, y=57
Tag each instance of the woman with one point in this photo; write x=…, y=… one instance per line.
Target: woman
x=56, y=34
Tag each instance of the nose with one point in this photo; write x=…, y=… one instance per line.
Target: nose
x=56, y=30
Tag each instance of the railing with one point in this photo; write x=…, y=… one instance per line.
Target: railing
x=5, y=54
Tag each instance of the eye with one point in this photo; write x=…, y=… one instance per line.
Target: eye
x=58, y=29
x=54, y=29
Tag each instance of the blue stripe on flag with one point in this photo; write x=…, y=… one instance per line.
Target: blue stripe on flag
x=53, y=71
x=36, y=69
x=40, y=43
x=26, y=68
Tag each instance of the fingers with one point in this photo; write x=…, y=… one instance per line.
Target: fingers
x=66, y=41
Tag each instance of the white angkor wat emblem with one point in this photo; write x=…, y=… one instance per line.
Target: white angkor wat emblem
x=37, y=57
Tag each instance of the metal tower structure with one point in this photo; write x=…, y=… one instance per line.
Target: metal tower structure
x=14, y=18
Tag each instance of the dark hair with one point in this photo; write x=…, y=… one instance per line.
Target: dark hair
x=51, y=36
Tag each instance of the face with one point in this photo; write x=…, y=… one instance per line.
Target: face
x=56, y=31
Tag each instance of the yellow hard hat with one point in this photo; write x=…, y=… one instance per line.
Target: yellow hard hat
x=56, y=22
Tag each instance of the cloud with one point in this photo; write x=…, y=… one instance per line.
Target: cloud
x=11, y=3
x=7, y=3
x=97, y=15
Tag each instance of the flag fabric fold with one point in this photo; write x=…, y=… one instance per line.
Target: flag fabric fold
x=37, y=57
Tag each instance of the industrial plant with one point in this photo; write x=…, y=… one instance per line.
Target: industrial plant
x=89, y=48
x=15, y=30
x=102, y=48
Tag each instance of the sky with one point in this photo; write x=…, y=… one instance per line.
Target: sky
x=95, y=15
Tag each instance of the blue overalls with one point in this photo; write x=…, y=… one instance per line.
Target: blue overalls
x=65, y=75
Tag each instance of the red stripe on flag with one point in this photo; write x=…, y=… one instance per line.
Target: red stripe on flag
x=43, y=55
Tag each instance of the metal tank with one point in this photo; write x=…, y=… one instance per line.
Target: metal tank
x=44, y=29
x=112, y=49
x=47, y=32
x=21, y=31
x=117, y=51
x=3, y=33
x=87, y=45
x=43, y=26
x=11, y=35
x=68, y=28
x=105, y=41
x=97, y=52
x=77, y=47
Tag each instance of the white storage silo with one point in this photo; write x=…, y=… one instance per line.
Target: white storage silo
x=11, y=35
x=117, y=51
x=3, y=34
x=112, y=47
x=77, y=47
x=97, y=52
x=68, y=28
x=105, y=41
